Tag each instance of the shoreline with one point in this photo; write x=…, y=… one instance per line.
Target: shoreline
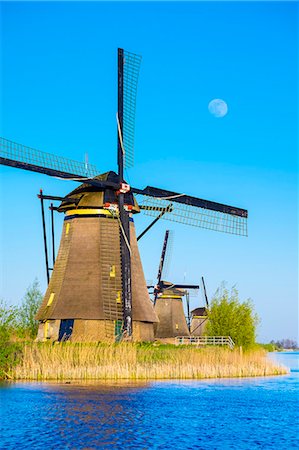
x=137, y=381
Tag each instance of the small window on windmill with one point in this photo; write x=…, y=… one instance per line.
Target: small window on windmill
x=51, y=298
x=112, y=271
x=176, y=326
x=67, y=229
x=118, y=297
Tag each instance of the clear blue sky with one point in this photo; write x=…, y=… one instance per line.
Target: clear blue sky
x=59, y=95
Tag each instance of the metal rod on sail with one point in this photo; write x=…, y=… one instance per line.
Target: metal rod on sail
x=164, y=211
x=44, y=234
x=53, y=236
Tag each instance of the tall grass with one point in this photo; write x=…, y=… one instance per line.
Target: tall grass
x=128, y=361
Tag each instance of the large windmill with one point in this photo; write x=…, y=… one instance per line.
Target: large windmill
x=168, y=301
x=97, y=289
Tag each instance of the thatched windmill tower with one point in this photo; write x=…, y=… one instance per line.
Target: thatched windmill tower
x=168, y=302
x=97, y=289
x=199, y=321
x=89, y=261
x=170, y=311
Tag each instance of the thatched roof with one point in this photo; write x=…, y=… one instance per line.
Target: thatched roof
x=201, y=311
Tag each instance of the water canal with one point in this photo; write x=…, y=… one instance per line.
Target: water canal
x=247, y=413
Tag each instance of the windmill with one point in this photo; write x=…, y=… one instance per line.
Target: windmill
x=199, y=316
x=168, y=301
x=97, y=289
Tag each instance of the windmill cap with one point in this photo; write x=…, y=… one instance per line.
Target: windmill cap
x=167, y=289
x=202, y=311
x=88, y=196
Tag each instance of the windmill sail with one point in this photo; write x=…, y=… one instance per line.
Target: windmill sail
x=128, y=68
x=168, y=255
x=193, y=211
x=131, y=69
x=24, y=157
x=204, y=292
x=161, y=265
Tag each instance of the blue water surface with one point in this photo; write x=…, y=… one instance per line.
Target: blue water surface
x=212, y=414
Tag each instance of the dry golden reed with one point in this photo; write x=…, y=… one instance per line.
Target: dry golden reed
x=128, y=361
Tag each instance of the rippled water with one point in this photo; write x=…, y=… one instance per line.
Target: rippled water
x=218, y=414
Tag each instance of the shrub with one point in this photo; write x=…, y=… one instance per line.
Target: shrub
x=228, y=316
x=17, y=322
x=26, y=323
x=9, y=350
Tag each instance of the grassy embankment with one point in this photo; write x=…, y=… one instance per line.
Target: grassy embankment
x=127, y=361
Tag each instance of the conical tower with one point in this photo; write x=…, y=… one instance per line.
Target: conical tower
x=83, y=301
x=170, y=311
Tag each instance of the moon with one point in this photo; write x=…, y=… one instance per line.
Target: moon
x=218, y=108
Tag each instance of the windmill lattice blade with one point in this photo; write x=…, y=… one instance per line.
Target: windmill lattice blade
x=168, y=255
x=204, y=292
x=192, y=290
x=196, y=216
x=162, y=258
x=21, y=156
x=131, y=72
x=193, y=293
x=162, y=194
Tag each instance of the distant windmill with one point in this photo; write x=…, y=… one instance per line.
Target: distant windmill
x=168, y=301
x=199, y=316
x=97, y=290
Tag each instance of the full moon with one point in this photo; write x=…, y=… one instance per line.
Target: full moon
x=218, y=107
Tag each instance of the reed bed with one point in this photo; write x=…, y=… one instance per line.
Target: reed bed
x=128, y=361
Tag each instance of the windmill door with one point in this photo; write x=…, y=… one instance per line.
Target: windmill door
x=66, y=329
x=118, y=329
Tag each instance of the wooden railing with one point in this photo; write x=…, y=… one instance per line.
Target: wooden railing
x=205, y=340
